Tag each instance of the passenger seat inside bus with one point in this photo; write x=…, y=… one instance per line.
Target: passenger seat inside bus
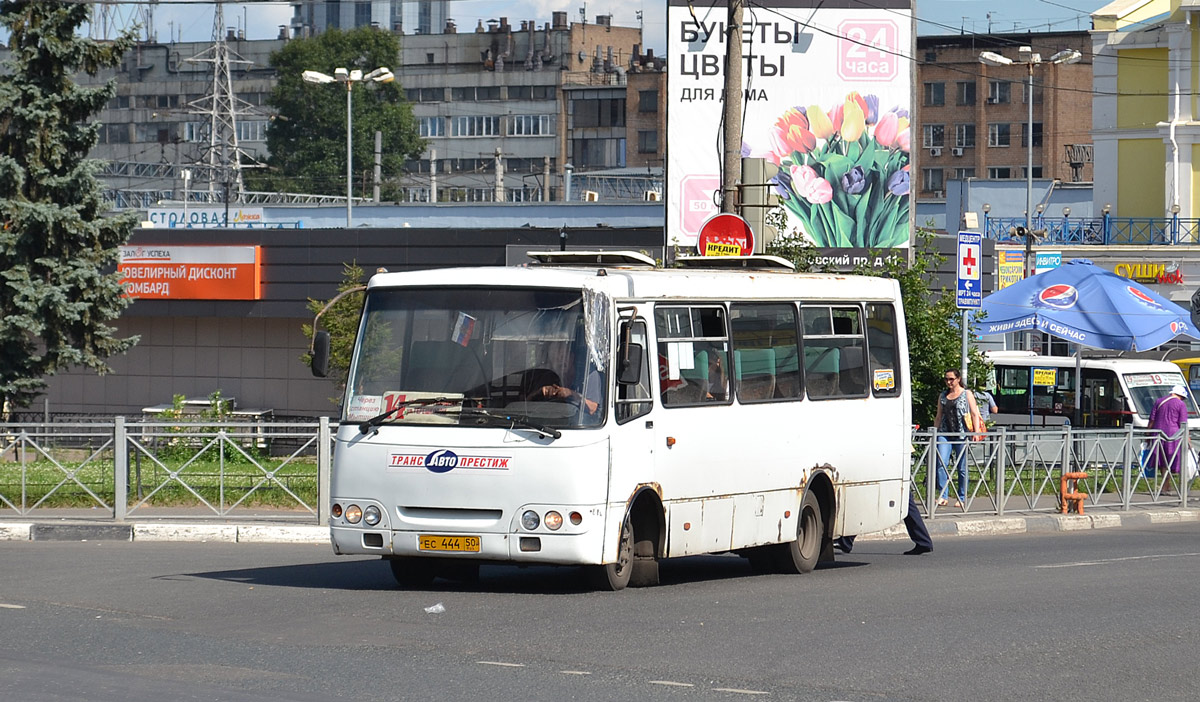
x=755, y=373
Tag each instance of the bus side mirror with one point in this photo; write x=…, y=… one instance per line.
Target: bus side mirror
x=630, y=371
x=320, y=354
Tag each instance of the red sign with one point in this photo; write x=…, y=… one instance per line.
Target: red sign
x=725, y=234
x=150, y=271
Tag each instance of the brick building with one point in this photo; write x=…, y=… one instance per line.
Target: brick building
x=974, y=120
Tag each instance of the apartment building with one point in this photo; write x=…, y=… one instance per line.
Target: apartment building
x=507, y=111
x=974, y=118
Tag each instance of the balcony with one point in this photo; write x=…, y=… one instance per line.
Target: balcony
x=1098, y=231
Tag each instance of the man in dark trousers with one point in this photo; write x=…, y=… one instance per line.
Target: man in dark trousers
x=912, y=522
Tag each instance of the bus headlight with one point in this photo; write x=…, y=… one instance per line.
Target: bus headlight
x=353, y=514
x=372, y=515
x=530, y=520
x=553, y=520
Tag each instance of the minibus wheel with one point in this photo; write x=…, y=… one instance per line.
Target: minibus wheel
x=801, y=555
x=615, y=576
x=413, y=572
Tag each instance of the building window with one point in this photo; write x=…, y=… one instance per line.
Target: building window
x=999, y=134
x=252, y=130
x=362, y=14
x=425, y=94
x=530, y=125
x=935, y=94
x=431, y=127
x=475, y=94
x=934, y=179
x=333, y=14
x=647, y=101
x=647, y=141
x=999, y=92
x=1038, y=92
x=1037, y=134
x=114, y=134
x=598, y=153
x=964, y=173
x=1037, y=172
x=598, y=112
x=964, y=136
x=428, y=58
x=966, y=92
x=475, y=126
x=933, y=136
x=999, y=172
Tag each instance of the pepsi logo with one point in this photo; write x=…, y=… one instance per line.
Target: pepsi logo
x=1143, y=297
x=1178, y=327
x=1060, y=297
x=441, y=461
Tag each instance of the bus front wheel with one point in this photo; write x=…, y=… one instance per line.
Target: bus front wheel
x=413, y=572
x=801, y=555
x=615, y=576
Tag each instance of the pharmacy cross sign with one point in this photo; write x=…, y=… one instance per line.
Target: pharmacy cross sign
x=970, y=292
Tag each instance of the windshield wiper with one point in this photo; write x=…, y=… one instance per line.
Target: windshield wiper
x=515, y=420
x=378, y=419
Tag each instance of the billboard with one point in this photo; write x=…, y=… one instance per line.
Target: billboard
x=827, y=89
x=191, y=272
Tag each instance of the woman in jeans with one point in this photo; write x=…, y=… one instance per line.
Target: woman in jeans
x=957, y=415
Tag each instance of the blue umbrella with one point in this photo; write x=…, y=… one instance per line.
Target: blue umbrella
x=1088, y=305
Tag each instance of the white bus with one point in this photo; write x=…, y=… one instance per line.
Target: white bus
x=1117, y=392
x=597, y=411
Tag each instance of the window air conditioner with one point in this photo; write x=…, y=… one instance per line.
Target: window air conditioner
x=652, y=196
x=957, y=151
x=935, y=151
x=591, y=196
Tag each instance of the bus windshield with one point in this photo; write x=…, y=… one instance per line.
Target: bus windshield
x=475, y=357
x=1147, y=388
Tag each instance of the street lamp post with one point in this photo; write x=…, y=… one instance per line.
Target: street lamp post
x=349, y=77
x=187, y=179
x=1027, y=56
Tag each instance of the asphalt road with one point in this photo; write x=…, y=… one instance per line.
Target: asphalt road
x=1105, y=614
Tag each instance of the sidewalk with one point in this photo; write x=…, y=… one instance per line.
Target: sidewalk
x=265, y=529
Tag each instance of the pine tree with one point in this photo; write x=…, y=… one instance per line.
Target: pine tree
x=58, y=285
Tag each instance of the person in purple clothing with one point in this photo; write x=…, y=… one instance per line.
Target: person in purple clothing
x=1169, y=416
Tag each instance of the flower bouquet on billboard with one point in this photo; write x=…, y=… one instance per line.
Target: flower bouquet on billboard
x=844, y=174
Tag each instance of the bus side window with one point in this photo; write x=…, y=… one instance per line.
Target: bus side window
x=884, y=376
x=765, y=352
x=634, y=400
x=693, y=354
x=834, y=360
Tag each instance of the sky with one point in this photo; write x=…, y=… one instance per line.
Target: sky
x=194, y=22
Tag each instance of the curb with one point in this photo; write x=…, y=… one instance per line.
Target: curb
x=319, y=535
x=199, y=533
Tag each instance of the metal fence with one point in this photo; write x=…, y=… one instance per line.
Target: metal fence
x=1023, y=470
x=166, y=468
x=177, y=468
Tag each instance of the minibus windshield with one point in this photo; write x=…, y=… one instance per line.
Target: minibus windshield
x=473, y=356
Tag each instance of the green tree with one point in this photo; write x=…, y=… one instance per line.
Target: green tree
x=931, y=316
x=57, y=252
x=307, y=139
x=341, y=321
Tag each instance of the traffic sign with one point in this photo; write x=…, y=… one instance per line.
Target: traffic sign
x=970, y=273
x=725, y=234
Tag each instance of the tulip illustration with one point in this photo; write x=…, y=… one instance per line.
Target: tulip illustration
x=844, y=172
x=854, y=117
x=822, y=126
x=855, y=181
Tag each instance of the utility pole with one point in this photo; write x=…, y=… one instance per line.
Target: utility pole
x=731, y=168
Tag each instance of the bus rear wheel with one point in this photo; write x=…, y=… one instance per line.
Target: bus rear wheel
x=801, y=555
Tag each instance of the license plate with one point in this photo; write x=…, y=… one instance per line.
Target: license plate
x=462, y=544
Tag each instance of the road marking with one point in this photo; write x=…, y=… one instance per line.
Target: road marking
x=574, y=672
x=1117, y=560
x=740, y=692
x=670, y=683
x=502, y=664
x=8, y=606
